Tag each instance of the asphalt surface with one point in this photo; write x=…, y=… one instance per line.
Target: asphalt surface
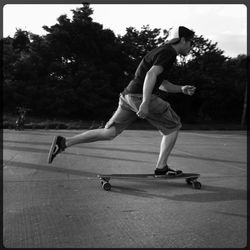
x=62, y=205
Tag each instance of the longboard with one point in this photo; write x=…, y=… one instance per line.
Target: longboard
x=191, y=178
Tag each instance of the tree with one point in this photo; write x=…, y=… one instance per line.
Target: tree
x=85, y=62
x=218, y=80
x=21, y=41
x=135, y=45
x=78, y=70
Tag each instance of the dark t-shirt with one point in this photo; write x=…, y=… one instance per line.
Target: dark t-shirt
x=165, y=56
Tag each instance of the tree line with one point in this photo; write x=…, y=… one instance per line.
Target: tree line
x=78, y=69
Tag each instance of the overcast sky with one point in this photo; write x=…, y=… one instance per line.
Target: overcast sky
x=225, y=24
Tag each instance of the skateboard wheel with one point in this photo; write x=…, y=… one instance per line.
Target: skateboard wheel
x=196, y=185
x=106, y=186
x=189, y=182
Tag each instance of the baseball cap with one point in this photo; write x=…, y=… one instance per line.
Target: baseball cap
x=177, y=32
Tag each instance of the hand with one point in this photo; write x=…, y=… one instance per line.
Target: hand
x=188, y=90
x=143, y=110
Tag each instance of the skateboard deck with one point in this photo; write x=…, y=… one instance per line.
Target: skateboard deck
x=191, y=178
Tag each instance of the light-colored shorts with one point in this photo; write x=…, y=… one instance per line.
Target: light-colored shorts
x=161, y=115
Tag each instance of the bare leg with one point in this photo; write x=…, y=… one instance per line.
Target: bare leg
x=107, y=133
x=92, y=136
x=167, y=144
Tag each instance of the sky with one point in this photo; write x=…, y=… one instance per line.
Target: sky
x=225, y=24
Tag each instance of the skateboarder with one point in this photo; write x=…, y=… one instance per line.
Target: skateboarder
x=140, y=99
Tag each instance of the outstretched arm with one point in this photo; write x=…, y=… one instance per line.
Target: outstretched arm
x=172, y=88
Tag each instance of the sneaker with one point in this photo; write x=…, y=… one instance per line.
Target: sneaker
x=58, y=145
x=167, y=171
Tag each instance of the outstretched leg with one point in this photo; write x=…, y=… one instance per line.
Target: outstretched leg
x=92, y=136
x=60, y=143
x=118, y=122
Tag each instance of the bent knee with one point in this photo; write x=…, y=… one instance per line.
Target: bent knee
x=110, y=133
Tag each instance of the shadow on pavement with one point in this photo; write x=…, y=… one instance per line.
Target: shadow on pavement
x=45, y=151
x=49, y=168
x=206, y=194
x=39, y=150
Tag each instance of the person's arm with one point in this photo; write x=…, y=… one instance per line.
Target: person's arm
x=150, y=81
x=148, y=86
x=172, y=88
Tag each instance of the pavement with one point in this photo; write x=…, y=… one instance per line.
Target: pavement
x=62, y=205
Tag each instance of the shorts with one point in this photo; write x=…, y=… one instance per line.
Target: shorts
x=161, y=115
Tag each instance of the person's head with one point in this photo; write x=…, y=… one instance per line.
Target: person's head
x=181, y=38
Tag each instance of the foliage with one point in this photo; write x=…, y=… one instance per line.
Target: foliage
x=78, y=69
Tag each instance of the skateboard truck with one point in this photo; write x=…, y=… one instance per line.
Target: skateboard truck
x=193, y=181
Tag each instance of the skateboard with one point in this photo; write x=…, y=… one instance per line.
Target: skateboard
x=191, y=178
